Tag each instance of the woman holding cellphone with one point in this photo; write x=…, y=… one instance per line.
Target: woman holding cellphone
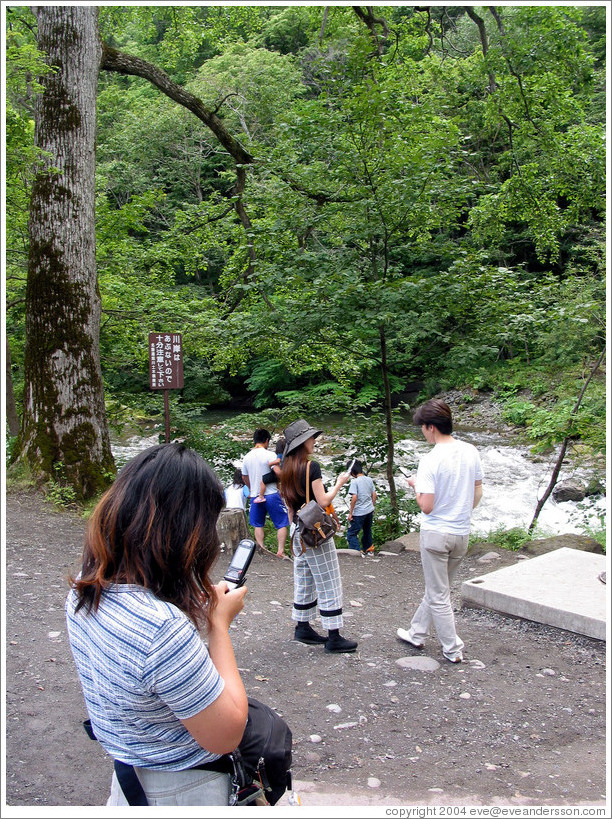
x=158, y=698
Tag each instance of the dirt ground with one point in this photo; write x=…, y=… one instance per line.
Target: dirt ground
x=521, y=721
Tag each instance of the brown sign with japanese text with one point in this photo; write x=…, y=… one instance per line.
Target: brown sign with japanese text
x=165, y=361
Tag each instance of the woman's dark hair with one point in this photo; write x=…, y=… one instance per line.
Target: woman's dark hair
x=156, y=527
x=238, y=479
x=293, y=470
x=436, y=412
x=280, y=446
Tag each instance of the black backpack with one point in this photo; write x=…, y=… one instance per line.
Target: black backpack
x=265, y=753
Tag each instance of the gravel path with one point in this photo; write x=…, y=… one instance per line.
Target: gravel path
x=520, y=722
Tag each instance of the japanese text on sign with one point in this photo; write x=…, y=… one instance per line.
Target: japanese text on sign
x=165, y=361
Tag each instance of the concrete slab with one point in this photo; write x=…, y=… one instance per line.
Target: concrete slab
x=561, y=588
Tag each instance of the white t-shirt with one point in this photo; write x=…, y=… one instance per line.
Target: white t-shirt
x=256, y=463
x=235, y=496
x=448, y=472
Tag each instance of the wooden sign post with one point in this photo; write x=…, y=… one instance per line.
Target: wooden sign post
x=166, y=367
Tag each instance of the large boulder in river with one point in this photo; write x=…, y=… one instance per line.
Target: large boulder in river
x=549, y=544
x=569, y=490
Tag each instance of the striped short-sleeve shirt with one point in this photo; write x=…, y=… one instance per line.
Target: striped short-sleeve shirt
x=143, y=667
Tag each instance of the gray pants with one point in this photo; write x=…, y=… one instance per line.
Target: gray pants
x=190, y=787
x=441, y=555
x=316, y=580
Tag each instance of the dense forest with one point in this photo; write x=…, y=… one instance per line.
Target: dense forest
x=336, y=206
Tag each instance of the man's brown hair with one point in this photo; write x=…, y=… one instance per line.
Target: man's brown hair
x=435, y=412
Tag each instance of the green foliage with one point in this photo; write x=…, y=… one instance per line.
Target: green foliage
x=218, y=450
x=518, y=412
x=223, y=446
x=419, y=213
x=544, y=405
x=267, y=377
x=389, y=526
x=11, y=442
x=58, y=490
x=327, y=397
x=511, y=539
x=598, y=533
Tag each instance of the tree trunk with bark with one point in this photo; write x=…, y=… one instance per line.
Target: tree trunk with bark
x=12, y=418
x=64, y=414
x=388, y=422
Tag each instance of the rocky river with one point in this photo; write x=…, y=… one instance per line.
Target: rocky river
x=514, y=478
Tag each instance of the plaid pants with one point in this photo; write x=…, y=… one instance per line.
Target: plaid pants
x=317, y=581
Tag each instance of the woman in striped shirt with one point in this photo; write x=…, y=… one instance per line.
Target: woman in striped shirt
x=158, y=698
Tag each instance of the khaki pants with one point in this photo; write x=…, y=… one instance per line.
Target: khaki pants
x=441, y=555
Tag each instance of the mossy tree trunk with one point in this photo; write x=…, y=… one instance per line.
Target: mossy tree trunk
x=64, y=416
x=12, y=418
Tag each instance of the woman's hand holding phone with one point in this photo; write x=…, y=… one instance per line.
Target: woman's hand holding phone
x=229, y=604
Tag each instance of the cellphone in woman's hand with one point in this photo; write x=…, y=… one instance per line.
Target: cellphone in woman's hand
x=236, y=572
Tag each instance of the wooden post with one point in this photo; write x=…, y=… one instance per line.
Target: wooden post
x=167, y=414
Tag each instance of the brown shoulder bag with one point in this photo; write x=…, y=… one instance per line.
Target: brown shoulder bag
x=314, y=525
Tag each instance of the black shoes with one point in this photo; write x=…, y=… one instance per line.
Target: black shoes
x=337, y=644
x=304, y=633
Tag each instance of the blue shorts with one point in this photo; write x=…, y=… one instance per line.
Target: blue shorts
x=274, y=506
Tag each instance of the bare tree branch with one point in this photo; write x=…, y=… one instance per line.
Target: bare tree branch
x=226, y=97
x=484, y=42
x=113, y=60
x=564, y=445
x=427, y=10
x=323, y=24
x=500, y=25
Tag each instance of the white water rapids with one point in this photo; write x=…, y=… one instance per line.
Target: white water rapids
x=513, y=482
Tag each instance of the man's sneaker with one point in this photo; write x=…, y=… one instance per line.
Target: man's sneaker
x=370, y=551
x=304, y=633
x=405, y=636
x=339, y=644
x=457, y=658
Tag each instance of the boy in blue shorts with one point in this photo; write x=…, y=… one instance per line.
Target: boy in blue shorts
x=255, y=465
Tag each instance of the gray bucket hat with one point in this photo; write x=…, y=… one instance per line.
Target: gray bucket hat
x=298, y=432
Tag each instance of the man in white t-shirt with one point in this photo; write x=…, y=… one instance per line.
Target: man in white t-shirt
x=448, y=486
x=256, y=463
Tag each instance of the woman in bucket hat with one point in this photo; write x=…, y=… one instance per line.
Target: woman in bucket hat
x=316, y=573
